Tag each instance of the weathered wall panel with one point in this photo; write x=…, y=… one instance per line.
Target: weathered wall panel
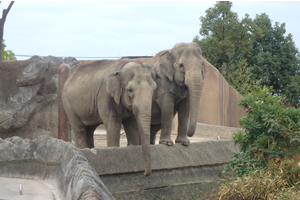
x=218, y=104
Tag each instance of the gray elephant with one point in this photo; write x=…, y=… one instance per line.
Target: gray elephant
x=108, y=92
x=182, y=71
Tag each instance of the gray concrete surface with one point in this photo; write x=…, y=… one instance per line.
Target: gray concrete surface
x=31, y=189
x=179, y=172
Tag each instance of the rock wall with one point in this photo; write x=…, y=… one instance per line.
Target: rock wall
x=28, y=91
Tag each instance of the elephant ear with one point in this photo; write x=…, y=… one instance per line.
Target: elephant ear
x=159, y=89
x=114, y=87
x=166, y=65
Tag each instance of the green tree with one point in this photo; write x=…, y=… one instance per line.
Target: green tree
x=242, y=78
x=2, y=22
x=225, y=36
x=274, y=59
x=7, y=54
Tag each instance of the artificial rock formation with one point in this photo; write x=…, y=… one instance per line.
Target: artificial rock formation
x=58, y=162
x=28, y=93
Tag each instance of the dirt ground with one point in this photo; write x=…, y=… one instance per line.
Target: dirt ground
x=100, y=138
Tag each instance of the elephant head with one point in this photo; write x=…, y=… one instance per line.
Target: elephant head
x=185, y=66
x=135, y=86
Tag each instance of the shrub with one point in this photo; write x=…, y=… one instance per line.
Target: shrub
x=270, y=131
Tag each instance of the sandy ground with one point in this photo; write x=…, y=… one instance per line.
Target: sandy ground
x=100, y=138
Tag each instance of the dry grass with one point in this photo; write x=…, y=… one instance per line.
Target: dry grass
x=280, y=181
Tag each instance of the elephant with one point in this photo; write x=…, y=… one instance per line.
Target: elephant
x=182, y=70
x=108, y=92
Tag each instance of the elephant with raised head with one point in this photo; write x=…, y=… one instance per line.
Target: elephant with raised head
x=182, y=71
x=108, y=92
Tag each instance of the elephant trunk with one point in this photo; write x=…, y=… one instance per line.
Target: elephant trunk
x=194, y=82
x=142, y=112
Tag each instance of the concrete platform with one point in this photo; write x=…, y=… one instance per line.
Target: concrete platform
x=31, y=189
x=204, y=132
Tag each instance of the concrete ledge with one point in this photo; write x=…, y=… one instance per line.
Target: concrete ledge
x=179, y=172
x=58, y=162
x=115, y=160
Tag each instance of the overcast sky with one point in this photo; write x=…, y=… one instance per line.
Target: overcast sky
x=125, y=28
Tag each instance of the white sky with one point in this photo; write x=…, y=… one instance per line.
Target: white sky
x=121, y=28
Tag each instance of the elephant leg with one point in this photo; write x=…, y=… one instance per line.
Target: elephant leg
x=167, y=115
x=154, y=129
x=131, y=130
x=79, y=131
x=113, y=127
x=90, y=136
x=183, y=117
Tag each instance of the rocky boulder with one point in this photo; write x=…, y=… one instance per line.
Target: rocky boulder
x=28, y=92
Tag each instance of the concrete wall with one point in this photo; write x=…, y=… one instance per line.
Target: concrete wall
x=179, y=172
x=218, y=104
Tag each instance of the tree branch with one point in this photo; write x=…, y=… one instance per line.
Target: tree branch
x=5, y=11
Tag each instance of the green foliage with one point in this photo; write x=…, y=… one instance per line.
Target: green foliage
x=226, y=37
x=251, y=52
x=274, y=59
x=242, y=78
x=269, y=131
x=7, y=54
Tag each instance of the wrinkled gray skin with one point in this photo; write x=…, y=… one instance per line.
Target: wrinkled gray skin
x=182, y=72
x=108, y=92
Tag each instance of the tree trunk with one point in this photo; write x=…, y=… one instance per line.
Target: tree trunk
x=2, y=21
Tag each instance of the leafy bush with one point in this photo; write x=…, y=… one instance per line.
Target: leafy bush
x=268, y=163
x=270, y=131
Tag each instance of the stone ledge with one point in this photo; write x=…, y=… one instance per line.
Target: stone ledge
x=53, y=160
x=178, y=172
x=115, y=160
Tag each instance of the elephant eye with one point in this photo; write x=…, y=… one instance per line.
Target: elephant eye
x=130, y=92
x=181, y=66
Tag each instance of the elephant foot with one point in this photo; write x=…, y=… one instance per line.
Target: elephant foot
x=167, y=142
x=183, y=141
